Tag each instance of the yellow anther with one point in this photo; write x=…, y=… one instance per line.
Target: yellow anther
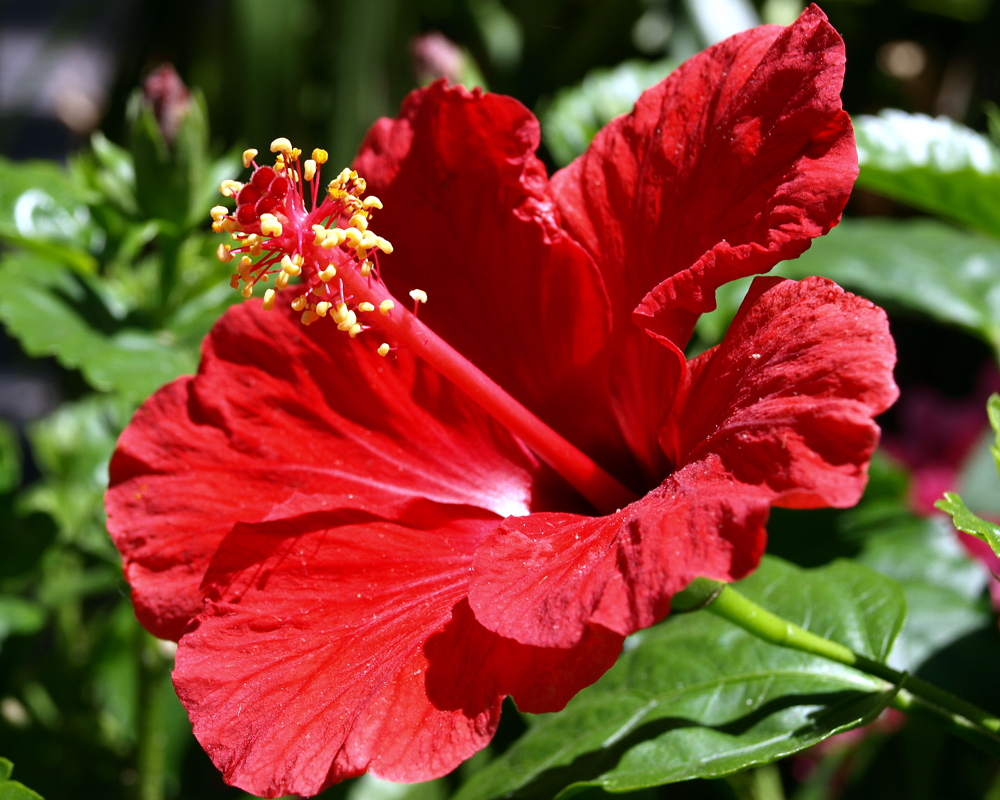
x=281, y=281
x=340, y=313
x=223, y=254
x=372, y=202
x=349, y=322
x=279, y=163
x=217, y=227
x=320, y=232
x=353, y=237
x=247, y=290
x=230, y=188
x=354, y=331
x=309, y=172
x=218, y=213
x=365, y=306
x=386, y=306
x=309, y=316
x=281, y=145
x=334, y=238
x=369, y=240
x=366, y=267
x=230, y=225
x=322, y=308
x=328, y=274
x=243, y=269
x=383, y=349
x=299, y=302
x=269, y=299
x=289, y=266
x=419, y=295
x=248, y=157
x=383, y=245
x=234, y=281
x=294, y=155
x=269, y=225
x=298, y=259
x=320, y=156
x=359, y=221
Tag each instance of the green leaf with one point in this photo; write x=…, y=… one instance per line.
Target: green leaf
x=968, y=522
x=20, y=616
x=72, y=448
x=115, y=173
x=942, y=584
x=576, y=114
x=42, y=208
x=12, y=790
x=697, y=697
x=54, y=311
x=935, y=165
x=368, y=787
x=993, y=413
x=10, y=459
x=950, y=275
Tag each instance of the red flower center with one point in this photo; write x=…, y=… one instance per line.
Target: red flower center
x=333, y=253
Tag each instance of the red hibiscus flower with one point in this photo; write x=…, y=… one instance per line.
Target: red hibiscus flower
x=361, y=554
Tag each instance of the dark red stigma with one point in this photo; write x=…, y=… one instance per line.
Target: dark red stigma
x=264, y=194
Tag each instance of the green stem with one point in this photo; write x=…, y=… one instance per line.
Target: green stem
x=150, y=758
x=168, y=274
x=915, y=696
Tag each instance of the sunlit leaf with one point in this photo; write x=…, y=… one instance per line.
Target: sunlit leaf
x=42, y=208
x=13, y=790
x=576, y=114
x=54, y=311
x=934, y=164
x=968, y=522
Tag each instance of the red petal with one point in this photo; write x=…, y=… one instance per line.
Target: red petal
x=467, y=661
x=472, y=222
x=545, y=578
x=787, y=399
x=314, y=664
x=282, y=419
x=733, y=163
x=780, y=413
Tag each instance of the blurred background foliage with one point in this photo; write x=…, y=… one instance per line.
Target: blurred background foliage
x=109, y=283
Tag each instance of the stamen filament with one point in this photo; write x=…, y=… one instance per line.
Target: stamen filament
x=602, y=490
